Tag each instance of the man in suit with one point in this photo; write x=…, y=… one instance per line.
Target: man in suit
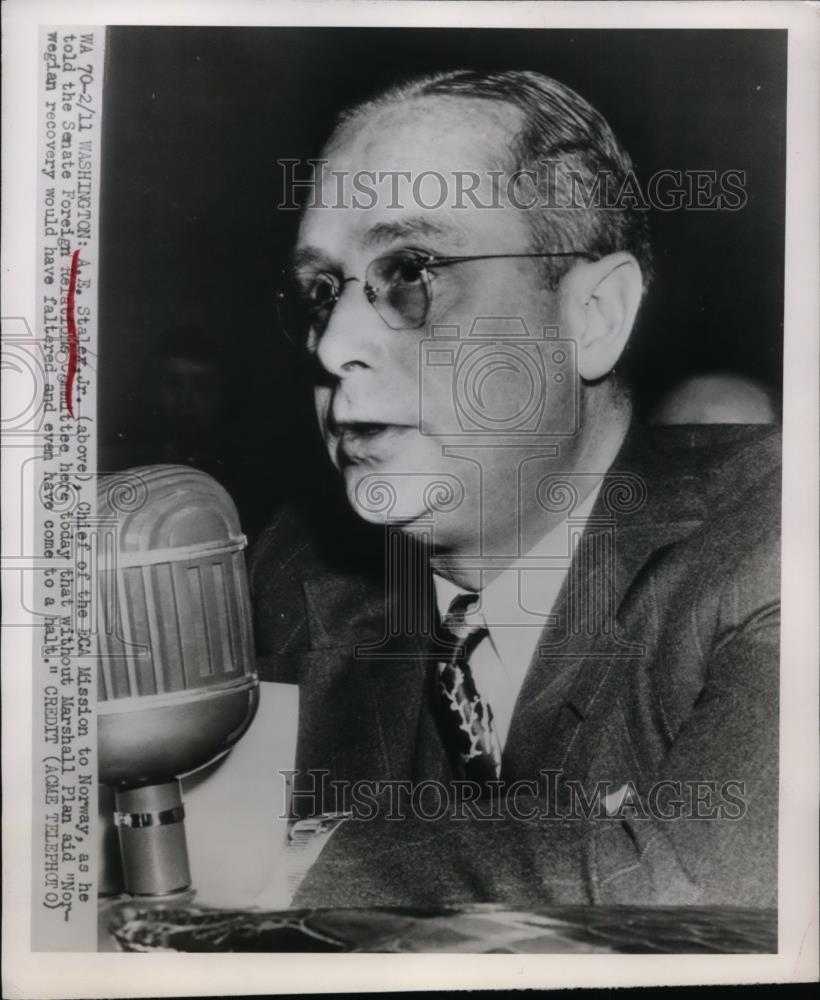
x=543, y=665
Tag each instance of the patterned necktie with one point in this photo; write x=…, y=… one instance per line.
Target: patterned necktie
x=465, y=720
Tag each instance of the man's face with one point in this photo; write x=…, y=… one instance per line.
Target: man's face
x=384, y=426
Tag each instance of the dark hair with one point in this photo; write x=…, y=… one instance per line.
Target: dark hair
x=558, y=125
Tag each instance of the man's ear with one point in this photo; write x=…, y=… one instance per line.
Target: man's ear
x=600, y=300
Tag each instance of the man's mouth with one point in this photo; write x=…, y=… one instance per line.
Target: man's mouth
x=366, y=441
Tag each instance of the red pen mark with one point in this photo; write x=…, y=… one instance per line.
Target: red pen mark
x=72, y=334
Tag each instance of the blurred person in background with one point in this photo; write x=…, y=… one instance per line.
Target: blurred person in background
x=715, y=398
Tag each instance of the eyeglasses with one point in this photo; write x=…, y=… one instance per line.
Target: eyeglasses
x=397, y=284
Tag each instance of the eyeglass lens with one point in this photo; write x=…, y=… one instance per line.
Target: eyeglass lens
x=396, y=285
x=399, y=290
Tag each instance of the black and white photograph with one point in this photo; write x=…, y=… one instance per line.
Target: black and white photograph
x=397, y=526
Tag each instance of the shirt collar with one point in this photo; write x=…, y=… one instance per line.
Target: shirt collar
x=516, y=604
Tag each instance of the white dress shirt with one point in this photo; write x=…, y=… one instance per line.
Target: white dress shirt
x=515, y=607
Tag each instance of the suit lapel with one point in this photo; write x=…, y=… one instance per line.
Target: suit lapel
x=636, y=515
x=368, y=661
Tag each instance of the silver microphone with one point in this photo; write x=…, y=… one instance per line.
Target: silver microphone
x=176, y=680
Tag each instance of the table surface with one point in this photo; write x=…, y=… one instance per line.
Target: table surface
x=482, y=928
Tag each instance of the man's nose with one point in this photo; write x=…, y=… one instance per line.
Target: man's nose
x=354, y=335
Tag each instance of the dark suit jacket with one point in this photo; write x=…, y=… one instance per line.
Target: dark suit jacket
x=658, y=672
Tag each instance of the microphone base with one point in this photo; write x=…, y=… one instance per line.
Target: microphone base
x=150, y=823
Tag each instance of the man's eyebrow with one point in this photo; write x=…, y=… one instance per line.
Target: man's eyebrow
x=383, y=233
x=309, y=255
x=388, y=232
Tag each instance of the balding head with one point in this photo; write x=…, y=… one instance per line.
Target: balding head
x=715, y=399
